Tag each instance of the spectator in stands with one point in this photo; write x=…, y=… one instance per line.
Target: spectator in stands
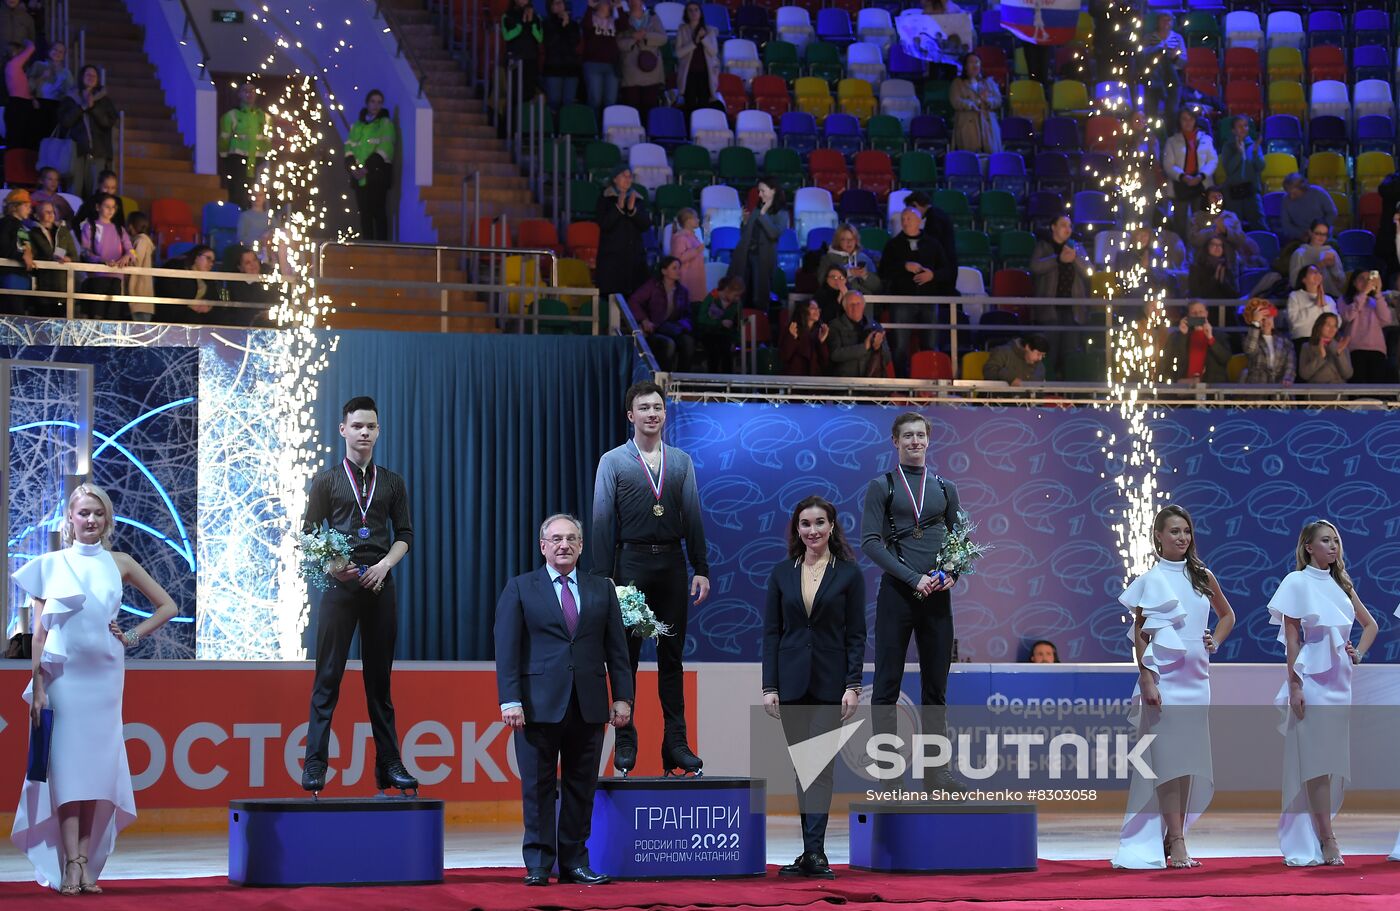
x=238, y=258
x=1216, y=220
x=1387, y=250
x=1317, y=252
x=1043, y=651
x=52, y=242
x=101, y=240
x=16, y=24
x=1165, y=59
x=143, y=256
x=857, y=343
x=243, y=141
x=756, y=257
x=562, y=67
x=89, y=117
x=523, y=33
x=50, y=79
x=622, y=220
x=1018, y=361
x=22, y=118
x=1194, y=352
x=939, y=225
x=1271, y=359
x=907, y=267
x=1213, y=276
x=1162, y=258
x=844, y=252
x=717, y=323
x=15, y=244
x=1189, y=160
x=662, y=308
x=1325, y=358
x=1302, y=205
x=690, y=250
x=255, y=226
x=602, y=55
x=106, y=186
x=369, y=159
x=828, y=296
x=48, y=191
x=1307, y=302
x=1060, y=268
x=802, y=345
x=1365, y=314
x=697, y=60
x=976, y=104
x=643, y=77
x=203, y=295
x=1242, y=160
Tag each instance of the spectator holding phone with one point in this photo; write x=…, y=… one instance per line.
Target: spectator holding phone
x=1194, y=351
x=1365, y=315
x=1271, y=357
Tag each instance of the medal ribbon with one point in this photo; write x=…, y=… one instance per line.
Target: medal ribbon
x=923, y=488
x=660, y=481
x=373, y=483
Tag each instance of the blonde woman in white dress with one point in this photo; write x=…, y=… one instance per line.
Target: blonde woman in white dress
x=1172, y=641
x=1315, y=609
x=68, y=825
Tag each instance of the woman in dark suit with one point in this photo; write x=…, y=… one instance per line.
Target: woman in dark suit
x=814, y=653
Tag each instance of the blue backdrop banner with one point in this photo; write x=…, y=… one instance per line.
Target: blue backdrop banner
x=1035, y=482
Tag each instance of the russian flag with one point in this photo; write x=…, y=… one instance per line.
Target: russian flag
x=1047, y=22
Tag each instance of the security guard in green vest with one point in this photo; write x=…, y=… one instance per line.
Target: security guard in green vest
x=243, y=140
x=369, y=157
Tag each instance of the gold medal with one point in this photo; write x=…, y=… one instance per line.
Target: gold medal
x=658, y=510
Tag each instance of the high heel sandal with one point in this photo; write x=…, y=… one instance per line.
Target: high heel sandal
x=1334, y=857
x=89, y=888
x=71, y=888
x=1186, y=864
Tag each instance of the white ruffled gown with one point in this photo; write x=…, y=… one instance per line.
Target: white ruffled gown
x=1319, y=744
x=1174, y=617
x=85, y=667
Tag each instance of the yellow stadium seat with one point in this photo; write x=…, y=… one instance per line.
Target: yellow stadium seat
x=1234, y=368
x=1028, y=100
x=972, y=364
x=856, y=97
x=1277, y=166
x=1329, y=171
x=1084, y=33
x=1371, y=169
x=1343, y=204
x=1287, y=98
x=1285, y=63
x=574, y=273
x=813, y=97
x=521, y=270
x=1103, y=285
x=1070, y=98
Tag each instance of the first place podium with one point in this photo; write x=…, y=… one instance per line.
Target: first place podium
x=679, y=828
x=335, y=841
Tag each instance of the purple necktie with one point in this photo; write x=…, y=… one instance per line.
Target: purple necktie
x=566, y=597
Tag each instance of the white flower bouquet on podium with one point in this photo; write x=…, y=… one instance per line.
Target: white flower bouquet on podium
x=959, y=551
x=637, y=616
x=323, y=552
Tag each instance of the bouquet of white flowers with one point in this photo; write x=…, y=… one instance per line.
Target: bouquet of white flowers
x=637, y=616
x=959, y=550
x=323, y=552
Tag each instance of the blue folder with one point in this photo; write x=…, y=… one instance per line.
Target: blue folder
x=40, y=735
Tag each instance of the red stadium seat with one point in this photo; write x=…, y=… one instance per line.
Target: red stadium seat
x=1101, y=134
x=736, y=97
x=539, y=232
x=1241, y=63
x=1369, y=211
x=875, y=172
x=930, y=365
x=1012, y=283
x=581, y=238
x=994, y=64
x=770, y=95
x=1203, y=70
x=827, y=168
x=21, y=167
x=1326, y=62
x=1245, y=98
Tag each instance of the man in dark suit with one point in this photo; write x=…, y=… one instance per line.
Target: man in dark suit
x=558, y=632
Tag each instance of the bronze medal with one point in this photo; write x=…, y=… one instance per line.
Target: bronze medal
x=658, y=510
x=918, y=532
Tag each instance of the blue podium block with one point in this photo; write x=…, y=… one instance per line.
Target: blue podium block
x=334, y=841
x=676, y=828
x=944, y=838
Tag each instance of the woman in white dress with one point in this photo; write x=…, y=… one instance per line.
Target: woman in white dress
x=1314, y=609
x=1171, y=605
x=68, y=825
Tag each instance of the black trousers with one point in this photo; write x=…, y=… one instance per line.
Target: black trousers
x=237, y=180
x=373, y=199
x=898, y=615
x=802, y=720
x=576, y=748
x=662, y=578
x=345, y=607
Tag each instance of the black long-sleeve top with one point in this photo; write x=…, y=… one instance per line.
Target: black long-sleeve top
x=902, y=250
x=913, y=557
x=332, y=500
x=623, y=508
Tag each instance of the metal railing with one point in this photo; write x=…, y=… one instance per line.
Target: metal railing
x=621, y=321
x=56, y=21
x=74, y=272
x=400, y=48
x=191, y=27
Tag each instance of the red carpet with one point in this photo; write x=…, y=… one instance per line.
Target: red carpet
x=1251, y=884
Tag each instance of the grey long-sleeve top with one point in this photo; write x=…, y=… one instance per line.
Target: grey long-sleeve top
x=919, y=553
x=623, y=508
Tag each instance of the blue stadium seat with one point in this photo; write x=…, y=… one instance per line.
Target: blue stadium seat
x=1370, y=61
x=1093, y=212
x=820, y=238
x=717, y=18
x=1018, y=135
x=929, y=132
x=842, y=132
x=1328, y=134
x=667, y=127
x=790, y=254
x=903, y=65
x=963, y=172
x=1061, y=134
x=722, y=243
x=1370, y=26
x=861, y=208
x=1375, y=133
x=753, y=23
x=1042, y=207
x=1273, y=210
x=1267, y=242
x=1007, y=171
x=798, y=130
x=1283, y=133
x=1052, y=172
x=1357, y=246
x=1326, y=27
x=217, y=215
x=834, y=26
